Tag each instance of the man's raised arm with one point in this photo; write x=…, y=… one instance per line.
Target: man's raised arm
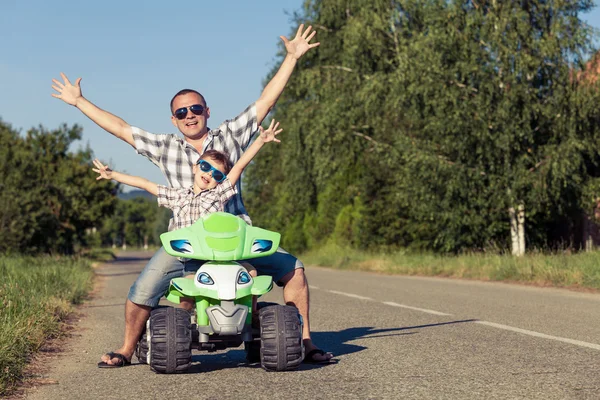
x=295, y=49
x=71, y=94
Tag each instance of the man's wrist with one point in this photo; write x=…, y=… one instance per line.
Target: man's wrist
x=78, y=101
x=289, y=57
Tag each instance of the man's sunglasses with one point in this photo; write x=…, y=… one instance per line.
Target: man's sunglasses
x=216, y=174
x=182, y=112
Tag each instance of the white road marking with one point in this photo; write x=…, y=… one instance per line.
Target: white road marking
x=350, y=295
x=486, y=323
x=313, y=287
x=391, y=303
x=540, y=335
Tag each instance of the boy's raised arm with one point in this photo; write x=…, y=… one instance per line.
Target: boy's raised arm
x=71, y=94
x=268, y=135
x=296, y=48
x=104, y=172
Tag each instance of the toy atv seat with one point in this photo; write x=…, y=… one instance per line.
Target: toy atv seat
x=222, y=290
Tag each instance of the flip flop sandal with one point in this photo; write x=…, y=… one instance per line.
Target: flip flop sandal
x=308, y=358
x=122, y=361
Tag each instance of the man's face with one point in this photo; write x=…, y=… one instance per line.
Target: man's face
x=204, y=179
x=192, y=126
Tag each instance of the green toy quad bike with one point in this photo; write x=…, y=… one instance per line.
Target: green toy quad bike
x=222, y=290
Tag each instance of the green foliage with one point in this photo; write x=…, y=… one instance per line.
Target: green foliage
x=419, y=123
x=135, y=222
x=50, y=201
x=48, y=196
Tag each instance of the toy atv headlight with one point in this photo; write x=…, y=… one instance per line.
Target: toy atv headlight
x=244, y=278
x=205, y=279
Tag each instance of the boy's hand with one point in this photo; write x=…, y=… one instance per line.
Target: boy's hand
x=269, y=134
x=66, y=91
x=103, y=170
x=300, y=45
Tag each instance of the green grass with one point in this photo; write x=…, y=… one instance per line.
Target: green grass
x=580, y=270
x=36, y=294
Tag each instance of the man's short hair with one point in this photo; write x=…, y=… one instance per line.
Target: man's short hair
x=220, y=157
x=186, y=91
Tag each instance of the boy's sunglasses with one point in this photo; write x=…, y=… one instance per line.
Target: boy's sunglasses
x=182, y=112
x=216, y=174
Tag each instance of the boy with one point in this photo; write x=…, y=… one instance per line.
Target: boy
x=214, y=182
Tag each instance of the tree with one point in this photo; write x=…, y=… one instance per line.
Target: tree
x=421, y=123
x=135, y=222
x=49, y=195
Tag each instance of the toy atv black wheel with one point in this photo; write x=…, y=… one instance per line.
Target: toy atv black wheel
x=169, y=336
x=281, y=338
x=253, y=348
x=141, y=351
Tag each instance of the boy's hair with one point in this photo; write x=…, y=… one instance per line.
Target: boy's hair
x=220, y=157
x=186, y=91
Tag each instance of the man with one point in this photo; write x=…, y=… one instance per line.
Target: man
x=176, y=157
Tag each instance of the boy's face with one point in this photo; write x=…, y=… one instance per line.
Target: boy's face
x=204, y=179
x=190, y=125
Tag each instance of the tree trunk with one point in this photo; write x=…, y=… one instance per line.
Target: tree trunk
x=517, y=229
x=521, y=230
x=514, y=234
x=586, y=233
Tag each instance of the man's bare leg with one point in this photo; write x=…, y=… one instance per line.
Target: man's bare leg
x=135, y=320
x=187, y=303
x=295, y=293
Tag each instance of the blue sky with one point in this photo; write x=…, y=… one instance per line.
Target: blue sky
x=133, y=56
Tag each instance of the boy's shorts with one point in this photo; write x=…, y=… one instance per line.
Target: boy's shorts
x=154, y=280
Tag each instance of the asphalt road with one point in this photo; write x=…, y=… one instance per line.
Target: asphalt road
x=394, y=338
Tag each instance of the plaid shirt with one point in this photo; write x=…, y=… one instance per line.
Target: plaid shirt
x=176, y=158
x=188, y=207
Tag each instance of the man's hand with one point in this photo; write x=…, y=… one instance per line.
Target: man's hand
x=300, y=45
x=269, y=134
x=295, y=49
x=66, y=91
x=103, y=170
